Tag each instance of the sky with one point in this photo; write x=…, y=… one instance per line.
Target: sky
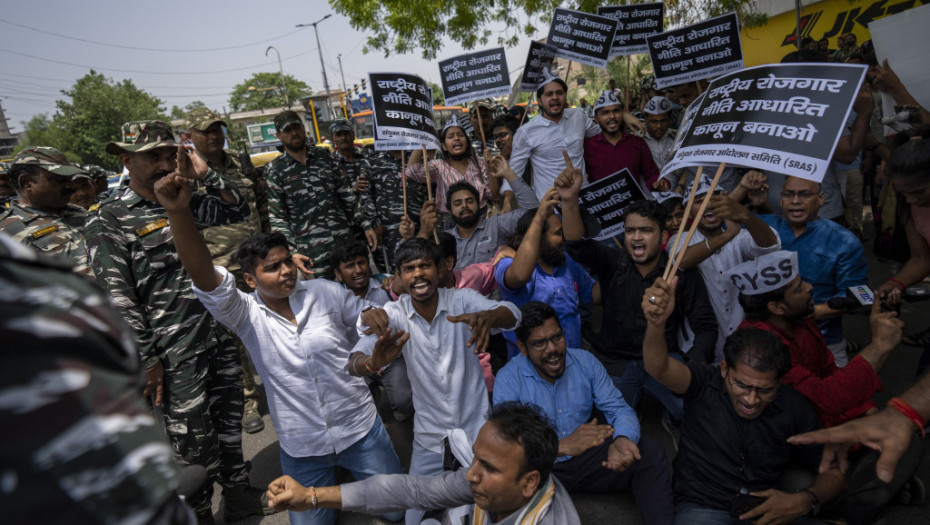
x=195, y=50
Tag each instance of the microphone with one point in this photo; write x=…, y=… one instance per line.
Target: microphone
x=856, y=297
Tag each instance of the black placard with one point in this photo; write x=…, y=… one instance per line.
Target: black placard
x=582, y=37
x=474, y=76
x=704, y=50
x=403, y=110
x=634, y=23
x=538, y=60
x=785, y=118
x=605, y=200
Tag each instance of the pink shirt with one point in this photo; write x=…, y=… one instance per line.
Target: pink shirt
x=444, y=176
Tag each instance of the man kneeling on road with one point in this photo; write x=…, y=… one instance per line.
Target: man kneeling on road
x=734, y=432
x=567, y=383
x=295, y=333
x=509, y=480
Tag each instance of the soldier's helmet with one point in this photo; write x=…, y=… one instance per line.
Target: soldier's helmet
x=143, y=135
x=202, y=118
x=49, y=159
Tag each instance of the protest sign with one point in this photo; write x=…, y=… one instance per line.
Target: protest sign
x=538, y=59
x=706, y=49
x=785, y=118
x=403, y=110
x=634, y=23
x=605, y=200
x=582, y=37
x=473, y=76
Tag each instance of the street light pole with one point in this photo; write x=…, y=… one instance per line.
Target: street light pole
x=341, y=73
x=319, y=48
x=287, y=99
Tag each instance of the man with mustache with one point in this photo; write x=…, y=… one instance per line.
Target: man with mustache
x=613, y=149
x=192, y=367
x=42, y=217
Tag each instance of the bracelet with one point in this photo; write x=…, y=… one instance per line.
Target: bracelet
x=313, y=501
x=707, y=243
x=893, y=280
x=909, y=412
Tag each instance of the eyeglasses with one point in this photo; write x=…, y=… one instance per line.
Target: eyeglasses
x=501, y=136
x=538, y=345
x=803, y=195
x=742, y=389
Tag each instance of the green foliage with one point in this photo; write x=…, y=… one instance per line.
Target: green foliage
x=267, y=92
x=98, y=107
x=597, y=79
x=402, y=27
x=177, y=112
x=439, y=99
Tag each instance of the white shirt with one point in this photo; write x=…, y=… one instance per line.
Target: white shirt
x=316, y=406
x=724, y=298
x=445, y=375
x=542, y=141
x=376, y=295
x=661, y=149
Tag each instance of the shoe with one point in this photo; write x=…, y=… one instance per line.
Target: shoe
x=251, y=419
x=672, y=429
x=244, y=501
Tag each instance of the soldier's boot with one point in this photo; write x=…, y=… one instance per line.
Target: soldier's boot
x=251, y=418
x=243, y=501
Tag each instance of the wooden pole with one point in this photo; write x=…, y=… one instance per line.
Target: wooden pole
x=484, y=146
x=700, y=90
x=681, y=227
x=429, y=186
x=527, y=109
x=403, y=177
x=694, y=224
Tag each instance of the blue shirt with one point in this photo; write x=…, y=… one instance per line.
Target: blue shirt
x=568, y=402
x=830, y=258
x=563, y=289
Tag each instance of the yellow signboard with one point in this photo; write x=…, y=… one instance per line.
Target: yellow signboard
x=767, y=44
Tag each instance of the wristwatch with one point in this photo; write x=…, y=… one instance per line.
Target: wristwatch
x=815, y=503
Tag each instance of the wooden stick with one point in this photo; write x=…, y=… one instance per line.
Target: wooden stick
x=687, y=215
x=484, y=145
x=429, y=187
x=617, y=242
x=697, y=84
x=713, y=185
x=403, y=177
x=526, y=110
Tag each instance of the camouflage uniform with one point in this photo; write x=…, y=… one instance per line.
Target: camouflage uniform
x=4, y=173
x=133, y=255
x=59, y=234
x=387, y=194
x=312, y=207
x=78, y=443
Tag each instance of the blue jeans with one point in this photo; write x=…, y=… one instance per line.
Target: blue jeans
x=694, y=514
x=373, y=454
x=423, y=462
x=635, y=380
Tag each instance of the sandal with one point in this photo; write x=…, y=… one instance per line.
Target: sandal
x=921, y=338
x=913, y=493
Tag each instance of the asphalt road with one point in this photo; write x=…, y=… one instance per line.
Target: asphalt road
x=897, y=375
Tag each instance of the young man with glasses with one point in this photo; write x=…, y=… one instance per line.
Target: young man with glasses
x=566, y=384
x=737, y=419
x=830, y=257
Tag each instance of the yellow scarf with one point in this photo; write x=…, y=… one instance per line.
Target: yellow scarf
x=532, y=512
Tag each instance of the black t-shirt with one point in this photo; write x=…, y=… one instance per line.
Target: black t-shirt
x=721, y=452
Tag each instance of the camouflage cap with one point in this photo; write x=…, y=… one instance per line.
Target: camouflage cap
x=340, y=124
x=285, y=119
x=4, y=167
x=143, y=135
x=49, y=159
x=202, y=118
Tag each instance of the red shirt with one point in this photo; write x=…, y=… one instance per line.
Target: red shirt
x=601, y=158
x=838, y=394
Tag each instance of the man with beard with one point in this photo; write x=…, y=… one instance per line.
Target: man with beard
x=567, y=383
x=444, y=325
x=540, y=271
x=658, y=137
x=557, y=127
x=831, y=257
x=42, y=216
x=775, y=298
x=728, y=234
x=477, y=237
x=191, y=364
x=613, y=149
x=322, y=416
x=623, y=275
x=308, y=201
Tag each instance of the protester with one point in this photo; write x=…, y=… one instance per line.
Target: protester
x=42, y=217
x=480, y=119
x=614, y=149
x=847, y=47
x=541, y=271
x=671, y=203
x=509, y=480
x=736, y=423
x=831, y=258
x=503, y=129
x=443, y=325
x=567, y=383
x=658, y=137
x=307, y=201
x=586, y=108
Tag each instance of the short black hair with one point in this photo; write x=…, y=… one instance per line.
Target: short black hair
x=457, y=187
x=523, y=226
x=534, y=314
x=31, y=171
x=649, y=209
x=415, y=249
x=258, y=246
x=346, y=252
x=669, y=205
x=910, y=159
x=558, y=80
x=448, y=247
x=756, y=307
x=525, y=425
x=506, y=120
x=760, y=349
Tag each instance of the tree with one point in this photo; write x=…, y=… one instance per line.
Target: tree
x=439, y=98
x=402, y=27
x=177, y=112
x=264, y=91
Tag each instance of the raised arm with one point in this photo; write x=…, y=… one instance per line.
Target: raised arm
x=568, y=185
x=658, y=304
x=524, y=262
x=525, y=196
